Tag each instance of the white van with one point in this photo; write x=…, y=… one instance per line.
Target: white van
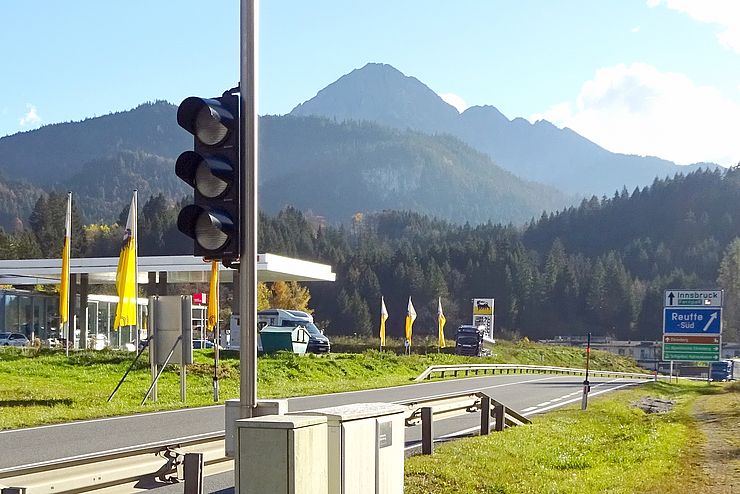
x=317, y=343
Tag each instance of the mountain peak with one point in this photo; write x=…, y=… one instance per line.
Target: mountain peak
x=381, y=93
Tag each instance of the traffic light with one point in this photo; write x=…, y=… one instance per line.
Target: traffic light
x=212, y=169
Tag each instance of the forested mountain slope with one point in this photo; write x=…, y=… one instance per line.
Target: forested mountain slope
x=332, y=169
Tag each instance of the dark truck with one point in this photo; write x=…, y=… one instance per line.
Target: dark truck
x=469, y=341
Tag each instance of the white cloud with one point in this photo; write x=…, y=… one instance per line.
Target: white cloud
x=454, y=100
x=637, y=109
x=31, y=118
x=635, y=29
x=723, y=13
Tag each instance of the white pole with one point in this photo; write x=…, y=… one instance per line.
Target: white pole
x=136, y=266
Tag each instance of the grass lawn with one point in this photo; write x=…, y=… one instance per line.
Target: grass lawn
x=50, y=388
x=611, y=448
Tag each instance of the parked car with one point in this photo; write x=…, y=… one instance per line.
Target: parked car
x=13, y=339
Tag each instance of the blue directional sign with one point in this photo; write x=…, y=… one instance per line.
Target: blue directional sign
x=692, y=321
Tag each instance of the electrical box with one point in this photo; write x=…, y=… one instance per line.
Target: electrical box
x=366, y=448
x=281, y=454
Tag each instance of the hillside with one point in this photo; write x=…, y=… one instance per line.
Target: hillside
x=337, y=170
x=540, y=151
x=333, y=169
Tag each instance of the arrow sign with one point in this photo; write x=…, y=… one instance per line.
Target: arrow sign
x=693, y=298
x=712, y=318
x=700, y=339
x=692, y=321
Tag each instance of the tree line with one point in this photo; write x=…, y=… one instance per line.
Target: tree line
x=600, y=267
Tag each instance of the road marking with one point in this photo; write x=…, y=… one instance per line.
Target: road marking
x=573, y=400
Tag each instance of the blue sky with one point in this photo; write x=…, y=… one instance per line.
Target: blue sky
x=659, y=77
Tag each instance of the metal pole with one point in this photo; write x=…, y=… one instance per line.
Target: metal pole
x=136, y=265
x=249, y=14
x=153, y=301
x=183, y=382
x=216, y=343
x=427, y=430
x=485, y=415
x=126, y=373
x=169, y=356
x=193, y=473
x=586, y=384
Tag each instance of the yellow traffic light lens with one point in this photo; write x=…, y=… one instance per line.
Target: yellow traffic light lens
x=208, y=232
x=208, y=127
x=207, y=183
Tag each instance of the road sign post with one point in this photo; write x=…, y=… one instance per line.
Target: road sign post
x=586, y=384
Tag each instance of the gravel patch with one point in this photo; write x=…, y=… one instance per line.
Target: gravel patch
x=654, y=405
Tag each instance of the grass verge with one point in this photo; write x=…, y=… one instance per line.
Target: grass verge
x=49, y=387
x=612, y=448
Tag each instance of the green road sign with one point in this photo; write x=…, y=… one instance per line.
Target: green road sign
x=700, y=356
x=680, y=347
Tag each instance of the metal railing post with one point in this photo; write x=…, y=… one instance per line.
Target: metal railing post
x=427, y=431
x=193, y=473
x=485, y=415
x=499, y=414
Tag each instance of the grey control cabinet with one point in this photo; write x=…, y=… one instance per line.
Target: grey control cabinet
x=366, y=448
x=281, y=454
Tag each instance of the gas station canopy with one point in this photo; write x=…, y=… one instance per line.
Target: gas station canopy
x=179, y=269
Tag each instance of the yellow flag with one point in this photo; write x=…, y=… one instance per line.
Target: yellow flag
x=213, y=298
x=410, y=317
x=442, y=320
x=383, y=318
x=126, y=285
x=66, y=251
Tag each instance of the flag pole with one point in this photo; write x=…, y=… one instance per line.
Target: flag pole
x=136, y=265
x=66, y=254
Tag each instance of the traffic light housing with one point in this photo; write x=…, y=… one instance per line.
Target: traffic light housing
x=212, y=169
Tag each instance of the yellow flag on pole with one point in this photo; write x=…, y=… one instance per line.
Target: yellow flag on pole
x=213, y=298
x=442, y=320
x=126, y=283
x=410, y=318
x=66, y=253
x=383, y=318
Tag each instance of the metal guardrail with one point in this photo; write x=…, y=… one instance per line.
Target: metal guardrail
x=446, y=406
x=159, y=463
x=522, y=369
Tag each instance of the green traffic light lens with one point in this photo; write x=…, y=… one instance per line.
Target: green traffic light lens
x=207, y=183
x=208, y=127
x=208, y=232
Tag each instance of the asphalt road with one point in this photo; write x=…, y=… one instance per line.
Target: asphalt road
x=528, y=393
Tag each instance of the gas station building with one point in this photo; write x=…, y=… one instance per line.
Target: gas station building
x=36, y=313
